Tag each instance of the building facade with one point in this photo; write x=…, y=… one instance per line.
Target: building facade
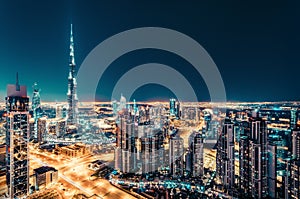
x=45, y=176
x=176, y=150
x=41, y=129
x=17, y=136
x=225, y=156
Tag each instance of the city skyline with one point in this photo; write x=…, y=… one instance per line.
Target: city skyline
x=149, y=100
x=261, y=40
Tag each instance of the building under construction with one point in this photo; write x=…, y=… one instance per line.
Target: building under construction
x=17, y=135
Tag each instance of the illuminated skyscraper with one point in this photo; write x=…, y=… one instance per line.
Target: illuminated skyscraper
x=174, y=108
x=60, y=111
x=294, y=114
x=60, y=127
x=41, y=133
x=144, y=115
x=152, y=152
x=271, y=169
x=36, y=98
x=114, y=107
x=122, y=102
x=72, y=84
x=129, y=148
x=257, y=161
x=32, y=128
x=135, y=109
x=17, y=135
x=294, y=181
x=296, y=144
x=36, y=108
x=244, y=168
x=176, y=155
x=258, y=158
x=196, y=143
x=225, y=155
x=125, y=151
x=292, y=189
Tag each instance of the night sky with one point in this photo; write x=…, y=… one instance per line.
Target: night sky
x=255, y=44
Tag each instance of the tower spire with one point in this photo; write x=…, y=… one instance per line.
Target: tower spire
x=72, y=58
x=17, y=82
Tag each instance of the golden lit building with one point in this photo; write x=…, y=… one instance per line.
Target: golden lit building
x=2, y=153
x=41, y=131
x=75, y=150
x=45, y=176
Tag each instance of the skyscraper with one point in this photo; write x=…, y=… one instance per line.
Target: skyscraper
x=296, y=144
x=257, y=161
x=41, y=132
x=258, y=158
x=225, y=155
x=196, y=147
x=174, y=108
x=129, y=148
x=152, y=152
x=36, y=98
x=125, y=151
x=72, y=84
x=176, y=155
x=294, y=181
x=272, y=169
x=244, y=166
x=17, y=135
x=292, y=188
x=60, y=127
x=135, y=108
x=294, y=118
x=122, y=102
x=115, y=107
x=36, y=108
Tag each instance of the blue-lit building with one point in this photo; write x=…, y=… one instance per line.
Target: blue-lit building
x=36, y=108
x=294, y=117
x=174, y=108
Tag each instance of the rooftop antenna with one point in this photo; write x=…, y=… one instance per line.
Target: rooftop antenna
x=17, y=82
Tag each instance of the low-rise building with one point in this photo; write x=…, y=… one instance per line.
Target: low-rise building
x=75, y=150
x=45, y=176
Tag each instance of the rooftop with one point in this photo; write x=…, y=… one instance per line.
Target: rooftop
x=44, y=169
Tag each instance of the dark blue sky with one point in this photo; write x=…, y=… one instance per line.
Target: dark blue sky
x=255, y=44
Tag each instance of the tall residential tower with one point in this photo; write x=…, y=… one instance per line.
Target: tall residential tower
x=17, y=135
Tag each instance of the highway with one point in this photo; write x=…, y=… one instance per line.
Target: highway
x=76, y=173
x=65, y=178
